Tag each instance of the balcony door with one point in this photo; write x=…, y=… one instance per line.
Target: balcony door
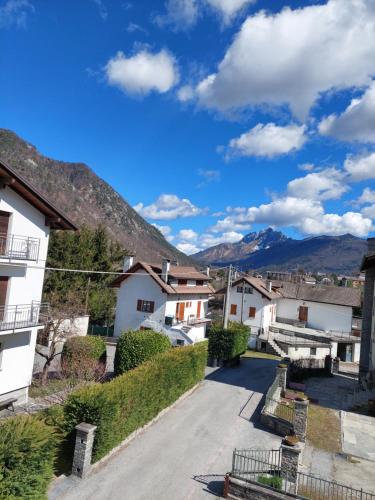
x=180, y=311
x=4, y=225
x=303, y=313
x=3, y=294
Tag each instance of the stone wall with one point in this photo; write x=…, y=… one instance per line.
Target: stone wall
x=236, y=488
x=279, y=426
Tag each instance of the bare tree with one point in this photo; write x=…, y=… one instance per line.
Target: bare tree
x=60, y=325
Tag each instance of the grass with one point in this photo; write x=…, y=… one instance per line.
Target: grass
x=324, y=429
x=53, y=385
x=250, y=353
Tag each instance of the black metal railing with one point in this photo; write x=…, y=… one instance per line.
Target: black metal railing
x=19, y=247
x=24, y=315
x=264, y=467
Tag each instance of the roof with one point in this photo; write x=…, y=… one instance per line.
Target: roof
x=54, y=217
x=350, y=297
x=155, y=270
x=368, y=261
x=182, y=272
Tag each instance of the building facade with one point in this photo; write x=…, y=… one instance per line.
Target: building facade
x=167, y=298
x=26, y=218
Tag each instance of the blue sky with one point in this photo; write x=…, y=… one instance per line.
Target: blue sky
x=212, y=117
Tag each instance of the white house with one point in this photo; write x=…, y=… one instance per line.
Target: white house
x=166, y=298
x=26, y=218
x=297, y=319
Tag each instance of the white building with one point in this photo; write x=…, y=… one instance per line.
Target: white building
x=26, y=218
x=166, y=298
x=297, y=319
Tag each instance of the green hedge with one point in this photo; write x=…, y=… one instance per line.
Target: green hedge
x=227, y=343
x=93, y=347
x=27, y=453
x=136, y=347
x=131, y=400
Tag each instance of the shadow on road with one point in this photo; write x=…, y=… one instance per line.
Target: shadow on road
x=214, y=483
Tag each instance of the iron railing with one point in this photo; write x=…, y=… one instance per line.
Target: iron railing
x=23, y=315
x=264, y=467
x=19, y=247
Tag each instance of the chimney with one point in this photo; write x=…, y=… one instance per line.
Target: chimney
x=371, y=244
x=208, y=271
x=269, y=285
x=165, y=266
x=128, y=262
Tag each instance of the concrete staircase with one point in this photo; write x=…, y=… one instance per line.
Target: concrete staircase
x=277, y=349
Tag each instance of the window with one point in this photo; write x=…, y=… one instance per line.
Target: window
x=199, y=282
x=249, y=289
x=252, y=312
x=145, y=306
x=233, y=309
x=313, y=351
x=239, y=289
x=182, y=282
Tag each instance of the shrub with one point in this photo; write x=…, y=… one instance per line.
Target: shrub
x=131, y=400
x=93, y=347
x=27, y=449
x=274, y=481
x=228, y=343
x=136, y=347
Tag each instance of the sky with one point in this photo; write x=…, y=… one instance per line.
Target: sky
x=212, y=118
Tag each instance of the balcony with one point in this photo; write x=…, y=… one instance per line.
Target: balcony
x=23, y=315
x=19, y=247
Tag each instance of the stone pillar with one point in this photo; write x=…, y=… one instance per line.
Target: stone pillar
x=301, y=411
x=281, y=371
x=83, y=449
x=290, y=457
x=335, y=365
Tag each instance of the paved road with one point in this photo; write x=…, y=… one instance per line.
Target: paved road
x=186, y=453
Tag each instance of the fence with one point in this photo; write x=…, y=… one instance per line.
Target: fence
x=23, y=316
x=19, y=247
x=101, y=331
x=265, y=468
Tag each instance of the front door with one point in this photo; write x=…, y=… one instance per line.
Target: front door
x=3, y=294
x=303, y=313
x=4, y=224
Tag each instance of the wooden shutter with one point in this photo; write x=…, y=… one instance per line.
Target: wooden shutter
x=233, y=308
x=139, y=305
x=4, y=222
x=181, y=311
x=303, y=313
x=252, y=312
x=152, y=306
x=199, y=305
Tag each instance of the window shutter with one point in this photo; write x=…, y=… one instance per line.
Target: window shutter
x=252, y=312
x=139, y=305
x=152, y=306
x=233, y=308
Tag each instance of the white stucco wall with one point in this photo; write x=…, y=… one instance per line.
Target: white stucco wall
x=16, y=364
x=320, y=316
x=263, y=307
x=305, y=352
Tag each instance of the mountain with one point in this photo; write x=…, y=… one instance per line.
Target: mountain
x=86, y=198
x=339, y=254
x=231, y=252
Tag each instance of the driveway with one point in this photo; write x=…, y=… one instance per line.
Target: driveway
x=186, y=453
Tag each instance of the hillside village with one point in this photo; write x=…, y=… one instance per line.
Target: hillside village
x=321, y=330
x=187, y=250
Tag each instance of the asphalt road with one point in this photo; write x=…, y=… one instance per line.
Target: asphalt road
x=187, y=452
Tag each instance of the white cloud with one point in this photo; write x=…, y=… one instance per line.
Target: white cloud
x=188, y=248
x=180, y=14
x=187, y=235
x=15, y=13
x=268, y=140
x=168, y=207
x=143, y=72
x=367, y=196
x=306, y=167
x=208, y=240
x=185, y=93
x=103, y=13
x=335, y=225
x=292, y=57
x=369, y=212
x=360, y=168
x=356, y=123
x=134, y=27
x=166, y=231
x=328, y=184
x=228, y=9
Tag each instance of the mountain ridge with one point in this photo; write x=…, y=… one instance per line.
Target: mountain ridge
x=86, y=198
x=315, y=253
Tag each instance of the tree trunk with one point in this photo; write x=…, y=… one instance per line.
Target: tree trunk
x=44, y=377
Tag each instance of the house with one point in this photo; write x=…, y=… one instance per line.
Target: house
x=298, y=320
x=26, y=218
x=167, y=298
x=367, y=360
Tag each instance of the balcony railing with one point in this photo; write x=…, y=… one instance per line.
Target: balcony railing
x=19, y=247
x=23, y=315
